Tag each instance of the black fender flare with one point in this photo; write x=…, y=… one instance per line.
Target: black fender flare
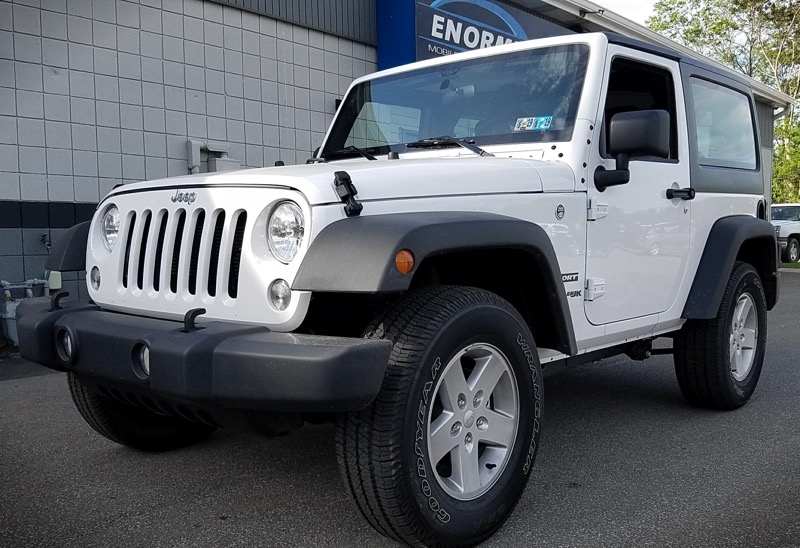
x=357, y=254
x=725, y=240
x=69, y=251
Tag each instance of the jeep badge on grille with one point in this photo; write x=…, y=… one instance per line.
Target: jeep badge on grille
x=188, y=197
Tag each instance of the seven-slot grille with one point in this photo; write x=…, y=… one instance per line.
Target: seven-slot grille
x=194, y=252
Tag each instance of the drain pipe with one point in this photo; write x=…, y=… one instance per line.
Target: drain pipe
x=218, y=156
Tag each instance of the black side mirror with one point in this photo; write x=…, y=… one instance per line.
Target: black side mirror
x=632, y=135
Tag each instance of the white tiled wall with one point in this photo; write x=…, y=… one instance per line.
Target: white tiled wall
x=98, y=92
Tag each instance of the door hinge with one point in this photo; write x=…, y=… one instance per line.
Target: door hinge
x=597, y=210
x=595, y=288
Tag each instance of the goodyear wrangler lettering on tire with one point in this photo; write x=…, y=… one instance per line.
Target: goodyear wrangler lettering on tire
x=533, y=365
x=420, y=461
x=459, y=412
x=437, y=364
x=440, y=514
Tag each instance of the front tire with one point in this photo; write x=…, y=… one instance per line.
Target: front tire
x=718, y=361
x=133, y=426
x=442, y=455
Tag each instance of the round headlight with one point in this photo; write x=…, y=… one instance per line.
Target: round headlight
x=110, y=226
x=285, y=231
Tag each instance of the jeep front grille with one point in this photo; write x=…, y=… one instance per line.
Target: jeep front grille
x=194, y=252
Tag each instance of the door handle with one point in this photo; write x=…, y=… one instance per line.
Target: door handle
x=680, y=193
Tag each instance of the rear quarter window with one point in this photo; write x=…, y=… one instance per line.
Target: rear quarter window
x=724, y=126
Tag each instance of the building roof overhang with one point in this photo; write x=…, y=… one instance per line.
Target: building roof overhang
x=585, y=16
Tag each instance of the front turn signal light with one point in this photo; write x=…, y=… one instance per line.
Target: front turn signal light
x=404, y=261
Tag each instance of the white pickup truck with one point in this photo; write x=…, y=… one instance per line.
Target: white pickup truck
x=786, y=220
x=466, y=221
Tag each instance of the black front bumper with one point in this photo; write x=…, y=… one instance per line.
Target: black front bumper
x=222, y=365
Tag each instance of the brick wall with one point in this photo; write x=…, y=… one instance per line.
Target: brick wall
x=94, y=93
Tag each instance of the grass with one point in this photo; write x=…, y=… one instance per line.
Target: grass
x=790, y=265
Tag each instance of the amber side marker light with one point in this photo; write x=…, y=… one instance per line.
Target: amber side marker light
x=404, y=261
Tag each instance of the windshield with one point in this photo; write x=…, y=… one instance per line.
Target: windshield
x=786, y=213
x=526, y=96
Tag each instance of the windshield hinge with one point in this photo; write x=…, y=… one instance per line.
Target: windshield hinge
x=595, y=288
x=347, y=193
x=597, y=210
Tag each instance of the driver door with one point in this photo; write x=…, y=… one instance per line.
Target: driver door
x=637, y=244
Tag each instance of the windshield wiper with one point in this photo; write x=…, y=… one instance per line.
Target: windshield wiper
x=348, y=150
x=447, y=141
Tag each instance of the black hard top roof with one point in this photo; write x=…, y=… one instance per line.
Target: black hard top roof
x=614, y=38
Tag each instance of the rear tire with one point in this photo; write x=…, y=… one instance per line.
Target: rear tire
x=133, y=426
x=442, y=455
x=718, y=361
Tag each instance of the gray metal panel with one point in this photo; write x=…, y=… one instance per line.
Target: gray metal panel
x=766, y=158
x=766, y=126
x=352, y=19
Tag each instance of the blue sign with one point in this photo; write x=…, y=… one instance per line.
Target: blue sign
x=451, y=26
x=412, y=30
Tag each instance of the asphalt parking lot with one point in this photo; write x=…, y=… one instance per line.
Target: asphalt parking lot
x=624, y=462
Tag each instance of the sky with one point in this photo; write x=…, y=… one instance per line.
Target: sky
x=635, y=10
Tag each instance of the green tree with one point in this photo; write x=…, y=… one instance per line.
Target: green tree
x=713, y=28
x=786, y=167
x=756, y=38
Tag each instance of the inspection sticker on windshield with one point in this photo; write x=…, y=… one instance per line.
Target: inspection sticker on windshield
x=538, y=123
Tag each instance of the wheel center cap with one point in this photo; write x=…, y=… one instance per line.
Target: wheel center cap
x=469, y=418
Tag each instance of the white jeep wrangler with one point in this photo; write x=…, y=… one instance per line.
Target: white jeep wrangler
x=466, y=221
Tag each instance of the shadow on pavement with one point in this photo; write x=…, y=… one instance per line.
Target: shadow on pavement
x=13, y=366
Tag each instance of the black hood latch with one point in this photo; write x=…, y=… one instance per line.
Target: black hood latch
x=347, y=192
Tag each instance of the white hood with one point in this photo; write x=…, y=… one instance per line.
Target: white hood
x=387, y=179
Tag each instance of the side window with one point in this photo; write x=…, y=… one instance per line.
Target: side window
x=724, y=126
x=634, y=86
